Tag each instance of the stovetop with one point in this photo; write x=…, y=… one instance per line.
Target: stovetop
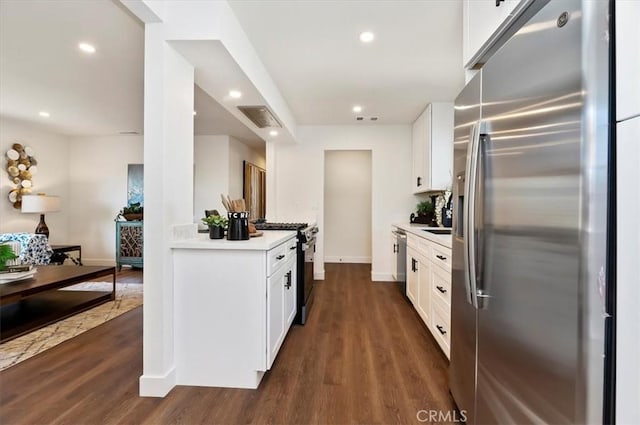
x=280, y=226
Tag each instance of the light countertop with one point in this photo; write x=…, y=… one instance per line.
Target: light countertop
x=270, y=239
x=419, y=230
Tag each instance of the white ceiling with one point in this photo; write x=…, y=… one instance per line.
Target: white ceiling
x=310, y=48
x=312, y=51
x=42, y=69
x=212, y=118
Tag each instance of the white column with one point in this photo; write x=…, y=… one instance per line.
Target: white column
x=168, y=163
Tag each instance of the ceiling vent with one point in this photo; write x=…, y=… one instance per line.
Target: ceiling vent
x=359, y=118
x=128, y=133
x=260, y=115
x=366, y=118
x=373, y=118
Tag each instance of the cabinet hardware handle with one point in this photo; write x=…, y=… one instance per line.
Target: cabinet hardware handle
x=414, y=265
x=394, y=248
x=441, y=289
x=498, y=2
x=292, y=248
x=441, y=330
x=288, y=282
x=441, y=257
x=419, y=181
x=280, y=257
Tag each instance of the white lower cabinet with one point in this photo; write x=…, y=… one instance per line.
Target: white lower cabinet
x=429, y=286
x=281, y=307
x=233, y=309
x=424, y=291
x=413, y=274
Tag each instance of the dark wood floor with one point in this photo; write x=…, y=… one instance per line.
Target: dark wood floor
x=127, y=275
x=363, y=357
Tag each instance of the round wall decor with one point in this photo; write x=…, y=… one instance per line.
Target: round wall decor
x=21, y=167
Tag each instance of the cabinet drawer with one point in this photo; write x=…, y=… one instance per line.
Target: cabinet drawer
x=441, y=256
x=291, y=247
x=277, y=257
x=441, y=324
x=424, y=248
x=412, y=241
x=441, y=284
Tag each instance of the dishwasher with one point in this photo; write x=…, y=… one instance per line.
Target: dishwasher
x=400, y=255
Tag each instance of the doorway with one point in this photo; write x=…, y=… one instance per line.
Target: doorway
x=347, y=206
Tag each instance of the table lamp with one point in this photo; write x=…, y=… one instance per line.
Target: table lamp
x=40, y=204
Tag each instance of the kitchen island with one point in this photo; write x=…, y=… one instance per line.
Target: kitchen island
x=234, y=302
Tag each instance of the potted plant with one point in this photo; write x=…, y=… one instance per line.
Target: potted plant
x=425, y=210
x=6, y=254
x=217, y=225
x=132, y=212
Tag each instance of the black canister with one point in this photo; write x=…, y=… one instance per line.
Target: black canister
x=238, y=229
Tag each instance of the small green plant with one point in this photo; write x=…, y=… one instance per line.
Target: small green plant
x=216, y=221
x=134, y=208
x=425, y=208
x=6, y=254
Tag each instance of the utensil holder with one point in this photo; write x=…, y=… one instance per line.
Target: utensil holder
x=238, y=229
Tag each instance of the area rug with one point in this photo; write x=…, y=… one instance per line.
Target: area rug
x=128, y=296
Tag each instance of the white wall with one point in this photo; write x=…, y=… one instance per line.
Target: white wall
x=211, y=174
x=218, y=170
x=298, y=171
x=239, y=152
x=347, y=206
x=98, y=168
x=52, y=153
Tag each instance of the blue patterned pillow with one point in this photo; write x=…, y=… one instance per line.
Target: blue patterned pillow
x=35, y=248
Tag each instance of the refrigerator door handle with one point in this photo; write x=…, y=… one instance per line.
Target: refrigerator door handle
x=468, y=214
x=481, y=289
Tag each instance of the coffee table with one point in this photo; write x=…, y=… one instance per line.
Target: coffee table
x=32, y=303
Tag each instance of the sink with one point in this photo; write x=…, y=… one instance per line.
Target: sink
x=438, y=231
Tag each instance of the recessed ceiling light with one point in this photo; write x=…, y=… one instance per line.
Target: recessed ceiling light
x=357, y=108
x=273, y=133
x=44, y=114
x=367, y=37
x=86, y=47
x=235, y=94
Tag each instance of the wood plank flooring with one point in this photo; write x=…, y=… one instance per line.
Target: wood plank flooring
x=363, y=357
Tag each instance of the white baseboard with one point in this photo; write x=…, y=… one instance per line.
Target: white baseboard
x=96, y=262
x=157, y=385
x=355, y=260
x=382, y=277
x=318, y=275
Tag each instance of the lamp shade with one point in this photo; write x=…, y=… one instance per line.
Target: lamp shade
x=40, y=204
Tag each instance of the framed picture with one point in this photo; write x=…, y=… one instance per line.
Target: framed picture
x=135, y=184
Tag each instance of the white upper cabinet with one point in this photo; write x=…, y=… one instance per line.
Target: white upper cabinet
x=627, y=59
x=418, y=141
x=481, y=19
x=432, y=149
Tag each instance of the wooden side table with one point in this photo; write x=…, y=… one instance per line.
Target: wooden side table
x=60, y=254
x=129, y=244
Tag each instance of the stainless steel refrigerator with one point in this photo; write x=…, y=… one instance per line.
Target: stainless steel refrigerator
x=531, y=315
